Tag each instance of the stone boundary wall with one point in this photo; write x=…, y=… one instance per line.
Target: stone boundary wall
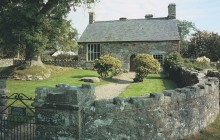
x=62, y=63
x=189, y=77
x=6, y=62
x=3, y=101
x=211, y=73
x=70, y=112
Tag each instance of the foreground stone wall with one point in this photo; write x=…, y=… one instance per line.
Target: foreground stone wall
x=189, y=77
x=69, y=112
x=173, y=114
x=211, y=73
x=124, y=50
x=59, y=111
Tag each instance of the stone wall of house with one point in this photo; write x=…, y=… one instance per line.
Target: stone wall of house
x=70, y=112
x=124, y=50
x=6, y=62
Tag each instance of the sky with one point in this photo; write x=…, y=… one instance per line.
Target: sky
x=205, y=14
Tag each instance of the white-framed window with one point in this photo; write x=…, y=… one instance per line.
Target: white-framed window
x=93, y=52
x=159, y=57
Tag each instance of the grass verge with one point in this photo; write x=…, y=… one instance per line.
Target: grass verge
x=152, y=83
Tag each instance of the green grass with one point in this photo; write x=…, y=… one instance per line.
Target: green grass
x=211, y=132
x=152, y=83
x=69, y=76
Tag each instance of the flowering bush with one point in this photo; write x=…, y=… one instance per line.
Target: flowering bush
x=106, y=65
x=203, y=60
x=145, y=64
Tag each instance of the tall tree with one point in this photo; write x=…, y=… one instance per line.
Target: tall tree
x=205, y=43
x=185, y=29
x=36, y=24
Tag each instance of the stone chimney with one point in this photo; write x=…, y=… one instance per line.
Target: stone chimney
x=172, y=11
x=148, y=16
x=91, y=17
x=123, y=18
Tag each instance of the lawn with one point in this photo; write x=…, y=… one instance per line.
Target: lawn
x=152, y=83
x=66, y=75
x=69, y=76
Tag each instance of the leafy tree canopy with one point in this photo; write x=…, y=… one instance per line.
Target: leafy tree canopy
x=205, y=43
x=33, y=25
x=185, y=29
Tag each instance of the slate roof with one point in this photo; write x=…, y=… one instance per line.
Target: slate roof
x=161, y=29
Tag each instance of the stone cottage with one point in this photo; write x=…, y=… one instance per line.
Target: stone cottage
x=125, y=38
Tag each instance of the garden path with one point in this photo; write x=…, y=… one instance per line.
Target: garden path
x=114, y=89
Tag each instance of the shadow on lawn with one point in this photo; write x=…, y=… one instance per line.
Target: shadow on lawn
x=168, y=84
x=110, y=80
x=8, y=71
x=162, y=76
x=116, y=81
x=81, y=76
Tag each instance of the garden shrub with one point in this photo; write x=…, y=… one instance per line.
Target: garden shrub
x=203, y=61
x=172, y=65
x=107, y=66
x=200, y=63
x=145, y=64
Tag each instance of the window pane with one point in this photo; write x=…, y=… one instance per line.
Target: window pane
x=98, y=48
x=98, y=55
x=89, y=58
x=159, y=58
x=95, y=50
x=92, y=56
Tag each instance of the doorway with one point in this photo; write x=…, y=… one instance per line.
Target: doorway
x=132, y=63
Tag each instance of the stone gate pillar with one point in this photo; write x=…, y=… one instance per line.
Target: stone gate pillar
x=58, y=111
x=3, y=100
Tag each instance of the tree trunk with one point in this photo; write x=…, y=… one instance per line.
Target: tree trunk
x=31, y=59
x=36, y=61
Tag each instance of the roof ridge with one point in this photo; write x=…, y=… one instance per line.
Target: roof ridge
x=159, y=18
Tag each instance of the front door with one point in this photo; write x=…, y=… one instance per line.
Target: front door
x=132, y=63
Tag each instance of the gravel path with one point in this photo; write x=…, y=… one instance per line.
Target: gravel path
x=112, y=90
